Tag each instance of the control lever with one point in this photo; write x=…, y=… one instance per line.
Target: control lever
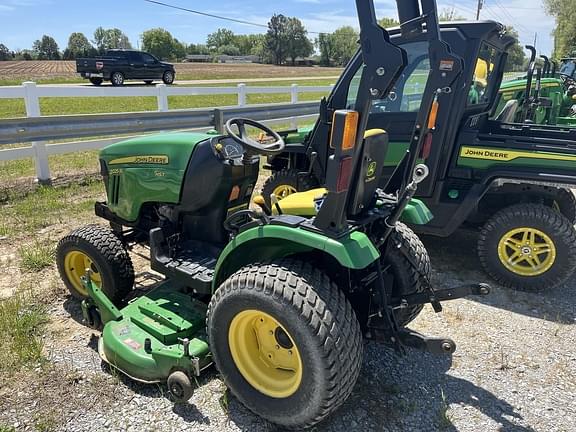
x=275, y=202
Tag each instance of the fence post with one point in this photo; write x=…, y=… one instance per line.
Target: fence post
x=162, y=97
x=241, y=95
x=40, y=153
x=293, y=100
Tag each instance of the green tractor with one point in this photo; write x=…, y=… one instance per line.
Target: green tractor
x=509, y=181
x=552, y=98
x=279, y=301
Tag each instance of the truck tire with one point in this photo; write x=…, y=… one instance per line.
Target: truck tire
x=148, y=82
x=96, y=81
x=117, y=79
x=528, y=247
x=286, y=341
x=409, y=262
x=168, y=77
x=565, y=203
x=286, y=182
x=98, y=248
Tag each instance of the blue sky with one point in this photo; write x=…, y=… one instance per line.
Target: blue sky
x=23, y=21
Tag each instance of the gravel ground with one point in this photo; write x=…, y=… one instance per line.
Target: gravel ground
x=514, y=370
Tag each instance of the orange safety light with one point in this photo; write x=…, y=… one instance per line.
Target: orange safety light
x=350, y=130
x=433, y=115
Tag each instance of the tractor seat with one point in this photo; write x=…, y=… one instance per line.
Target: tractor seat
x=301, y=203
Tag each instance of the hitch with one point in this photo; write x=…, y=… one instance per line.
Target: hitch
x=437, y=296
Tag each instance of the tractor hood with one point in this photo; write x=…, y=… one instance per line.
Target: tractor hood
x=169, y=150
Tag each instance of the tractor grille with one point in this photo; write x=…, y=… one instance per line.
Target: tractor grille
x=114, y=189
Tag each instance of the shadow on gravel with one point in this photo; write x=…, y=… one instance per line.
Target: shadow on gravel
x=454, y=260
x=413, y=393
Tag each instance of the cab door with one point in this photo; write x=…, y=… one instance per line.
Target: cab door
x=152, y=67
x=137, y=67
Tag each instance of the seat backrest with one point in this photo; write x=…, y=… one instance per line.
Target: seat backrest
x=508, y=113
x=375, y=148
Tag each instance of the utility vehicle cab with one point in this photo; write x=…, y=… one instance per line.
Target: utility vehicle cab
x=488, y=171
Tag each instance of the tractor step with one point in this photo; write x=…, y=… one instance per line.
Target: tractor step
x=192, y=267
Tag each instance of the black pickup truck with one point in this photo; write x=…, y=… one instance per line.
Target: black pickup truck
x=117, y=66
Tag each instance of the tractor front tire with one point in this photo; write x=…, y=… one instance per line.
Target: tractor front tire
x=409, y=262
x=99, y=249
x=286, y=341
x=528, y=247
x=286, y=182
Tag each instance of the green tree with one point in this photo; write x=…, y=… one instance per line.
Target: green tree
x=276, y=42
x=231, y=50
x=516, y=57
x=197, y=49
x=159, y=42
x=78, y=46
x=345, y=44
x=325, y=43
x=5, y=53
x=106, y=39
x=564, y=12
x=298, y=43
x=46, y=48
x=387, y=22
x=220, y=38
x=250, y=44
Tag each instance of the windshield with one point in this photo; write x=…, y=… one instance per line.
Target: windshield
x=568, y=67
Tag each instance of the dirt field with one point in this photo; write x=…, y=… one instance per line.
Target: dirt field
x=36, y=70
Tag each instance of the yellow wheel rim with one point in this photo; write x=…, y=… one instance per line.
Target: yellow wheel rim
x=527, y=251
x=283, y=191
x=75, y=265
x=265, y=354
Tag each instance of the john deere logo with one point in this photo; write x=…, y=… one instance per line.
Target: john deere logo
x=371, y=169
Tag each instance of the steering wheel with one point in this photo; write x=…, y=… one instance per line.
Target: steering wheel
x=250, y=145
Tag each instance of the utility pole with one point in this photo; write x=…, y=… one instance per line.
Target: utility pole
x=480, y=4
x=535, y=39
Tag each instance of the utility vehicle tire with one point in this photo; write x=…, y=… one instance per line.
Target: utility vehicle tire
x=168, y=77
x=286, y=341
x=96, y=81
x=285, y=182
x=148, y=82
x=180, y=386
x=117, y=79
x=98, y=248
x=528, y=247
x=409, y=262
x=565, y=203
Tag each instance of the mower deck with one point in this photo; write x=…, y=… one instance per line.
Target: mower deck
x=157, y=333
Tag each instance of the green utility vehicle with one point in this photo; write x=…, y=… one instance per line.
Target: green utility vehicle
x=510, y=181
x=552, y=98
x=280, y=302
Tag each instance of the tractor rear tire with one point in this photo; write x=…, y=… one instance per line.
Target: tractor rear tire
x=528, y=247
x=409, y=262
x=98, y=248
x=286, y=341
x=286, y=182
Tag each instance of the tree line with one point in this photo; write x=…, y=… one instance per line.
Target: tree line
x=285, y=41
x=564, y=33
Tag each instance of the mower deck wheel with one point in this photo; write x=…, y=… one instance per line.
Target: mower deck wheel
x=180, y=386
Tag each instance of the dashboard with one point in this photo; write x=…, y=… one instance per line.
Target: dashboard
x=228, y=149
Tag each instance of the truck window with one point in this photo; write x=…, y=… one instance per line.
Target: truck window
x=148, y=58
x=135, y=57
x=406, y=96
x=484, y=79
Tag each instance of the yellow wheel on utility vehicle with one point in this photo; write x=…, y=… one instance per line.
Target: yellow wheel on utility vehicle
x=265, y=353
x=282, y=191
x=527, y=251
x=75, y=265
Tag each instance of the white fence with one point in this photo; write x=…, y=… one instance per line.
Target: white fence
x=31, y=93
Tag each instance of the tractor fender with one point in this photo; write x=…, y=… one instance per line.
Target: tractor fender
x=268, y=242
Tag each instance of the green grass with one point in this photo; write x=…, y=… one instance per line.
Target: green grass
x=21, y=326
x=47, y=206
x=36, y=256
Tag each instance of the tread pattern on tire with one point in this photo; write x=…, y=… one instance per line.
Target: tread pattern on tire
x=326, y=310
x=557, y=223
x=416, y=263
x=112, y=250
x=567, y=204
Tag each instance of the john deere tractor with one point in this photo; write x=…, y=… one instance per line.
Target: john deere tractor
x=509, y=180
x=552, y=95
x=278, y=298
